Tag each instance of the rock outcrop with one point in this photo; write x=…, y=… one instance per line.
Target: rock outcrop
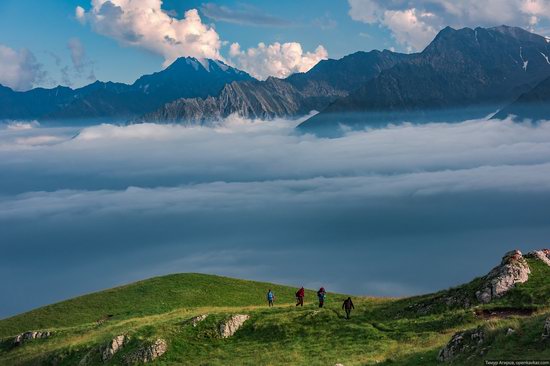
x=194, y=321
x=546, y=331
x=249, y=99
x=543, y=255
x=113, y=347
x=148, y=352
x=461, y=342
x=27, y=336
x=513, y=269
x=229, y=327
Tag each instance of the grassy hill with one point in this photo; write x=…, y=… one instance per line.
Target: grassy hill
x=157, y=295
x=381, y=331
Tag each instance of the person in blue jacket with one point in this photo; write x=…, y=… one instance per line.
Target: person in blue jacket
x=270, y=298
x=321, y=294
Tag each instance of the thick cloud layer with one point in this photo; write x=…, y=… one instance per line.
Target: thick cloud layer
x=394, y=211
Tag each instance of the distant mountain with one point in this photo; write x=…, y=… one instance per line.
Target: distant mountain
x=461, y=74
x=533, y=105
x=33, y=103
x=297, y=95
x=186, y=77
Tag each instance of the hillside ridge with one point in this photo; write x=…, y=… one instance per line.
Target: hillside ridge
x=197, y=318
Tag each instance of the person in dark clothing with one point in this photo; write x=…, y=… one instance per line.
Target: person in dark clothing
x=321, y=294
x=347, y=306
x=300, y=297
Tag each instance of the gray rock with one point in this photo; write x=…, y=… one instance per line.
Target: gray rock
x=546, y=332
x=113, y=347
x=27, y=336
x=249, y=99
x=228, y=328
x=461, y=342
x=513, y=269
x=543, y=255
x=147, y=353
x=194, y=321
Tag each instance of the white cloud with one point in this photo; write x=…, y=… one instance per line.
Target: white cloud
x=142, y=23
x=81, y=64
x=19, y=70
x=146, y=25
x=409, y=28
x=78, y=54
x=412, y=22
x=21, y=125
x=279, y=60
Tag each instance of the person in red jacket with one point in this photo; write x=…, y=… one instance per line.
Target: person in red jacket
x=300, y=297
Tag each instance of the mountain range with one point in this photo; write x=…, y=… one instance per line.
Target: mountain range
x=185, y=78
x=465, y=73
x=296, y=95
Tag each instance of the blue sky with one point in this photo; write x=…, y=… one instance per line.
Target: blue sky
x=45, y=27
x=36, y=34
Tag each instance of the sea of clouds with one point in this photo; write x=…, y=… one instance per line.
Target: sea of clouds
x=399, y=210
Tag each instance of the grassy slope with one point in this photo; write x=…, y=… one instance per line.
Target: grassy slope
x=153, y=296
x=381, y=330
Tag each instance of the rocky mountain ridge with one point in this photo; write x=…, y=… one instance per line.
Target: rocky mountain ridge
x=465, y=73
x=185, y=77
x=294, y=96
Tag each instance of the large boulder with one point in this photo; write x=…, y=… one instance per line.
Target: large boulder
x=27, y=336
x=543, y=255
x=148, y=352
x=460, y=343
x=513, y=269
x=108, y=351
x=229, y=327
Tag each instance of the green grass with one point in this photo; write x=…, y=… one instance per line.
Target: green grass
x=381, y=331
x=153, y=296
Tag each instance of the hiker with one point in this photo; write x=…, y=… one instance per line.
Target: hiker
x=300, y=297
x=347, y=306
x=270, y=298
x=321, y=294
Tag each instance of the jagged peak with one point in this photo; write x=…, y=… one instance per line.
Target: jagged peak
x=205, y=64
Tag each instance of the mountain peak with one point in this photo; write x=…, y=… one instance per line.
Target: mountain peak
x=186, y=62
